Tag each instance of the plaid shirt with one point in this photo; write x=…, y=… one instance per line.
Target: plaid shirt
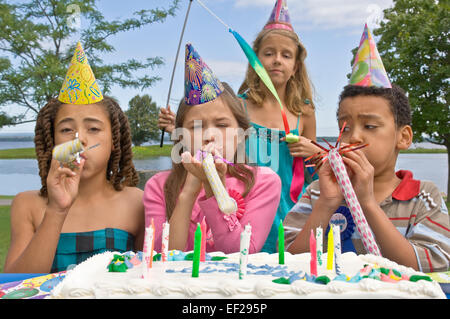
x=416, y=209
x=74, y=248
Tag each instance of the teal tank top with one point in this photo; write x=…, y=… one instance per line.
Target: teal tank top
x=261, y=151
x=74, y=248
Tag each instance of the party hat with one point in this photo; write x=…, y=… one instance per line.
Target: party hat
x=200, y=83
x=80, y=85
x=279, y=19
x=368, y=69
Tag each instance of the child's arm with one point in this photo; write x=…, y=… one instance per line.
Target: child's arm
x=329, y=200
x=155, y=207
x=33, y=250
x=390, y=241
x=260, y=208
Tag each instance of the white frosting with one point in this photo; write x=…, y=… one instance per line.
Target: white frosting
x=91, y=279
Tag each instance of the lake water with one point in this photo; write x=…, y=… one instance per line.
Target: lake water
x=22, y=174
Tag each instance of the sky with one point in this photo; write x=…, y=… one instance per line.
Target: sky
x=329, y=30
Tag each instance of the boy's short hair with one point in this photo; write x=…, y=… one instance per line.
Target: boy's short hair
x=395, y=96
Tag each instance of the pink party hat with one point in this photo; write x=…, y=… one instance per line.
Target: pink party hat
x=279, y=18
x=200, y=83
x=368, y=69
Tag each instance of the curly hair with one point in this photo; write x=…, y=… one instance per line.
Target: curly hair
x=396, y=97
x=299, y=88
x=120, y=171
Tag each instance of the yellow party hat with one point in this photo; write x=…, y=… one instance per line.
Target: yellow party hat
x=80, y=85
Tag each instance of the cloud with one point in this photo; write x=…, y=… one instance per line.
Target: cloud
x=228, y=69
x=327, y=14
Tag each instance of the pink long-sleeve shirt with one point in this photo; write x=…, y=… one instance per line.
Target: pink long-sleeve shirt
x=223, y=234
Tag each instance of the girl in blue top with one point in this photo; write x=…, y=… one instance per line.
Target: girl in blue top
x=282, y=55
x=82, y=208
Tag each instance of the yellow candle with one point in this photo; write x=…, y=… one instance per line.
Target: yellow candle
x=330, y=250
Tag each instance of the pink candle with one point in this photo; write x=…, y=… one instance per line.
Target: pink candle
x=152, y=229
x=203, y=245
x=338, y=167
x=313, y=253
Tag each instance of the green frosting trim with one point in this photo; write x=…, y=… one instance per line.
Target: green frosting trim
x=415, y=278
x=112, y=267
x=282, y=280
x=384, y=271
x=189, y=256
x=218, y=258
x=397, y=273
x=322, y=280
x=157, y=257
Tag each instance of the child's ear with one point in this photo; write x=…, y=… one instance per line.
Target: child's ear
x=404, y=137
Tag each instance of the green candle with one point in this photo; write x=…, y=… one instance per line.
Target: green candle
x=281, y=244
x=197, y=249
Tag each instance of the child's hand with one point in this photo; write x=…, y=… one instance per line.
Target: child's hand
x=330, y=193
x=166, y=119
x=194, y=166
x=62, y=185
x=302, y=148
x=361, y=174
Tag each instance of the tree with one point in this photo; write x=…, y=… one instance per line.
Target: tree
x=143, y=118
x=33, y=36
x=414, y=45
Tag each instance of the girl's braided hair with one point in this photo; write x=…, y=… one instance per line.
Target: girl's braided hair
x=120, y=171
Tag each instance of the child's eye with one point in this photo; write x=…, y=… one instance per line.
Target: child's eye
x=370, y=127
x=66, y=130
x=94, y=129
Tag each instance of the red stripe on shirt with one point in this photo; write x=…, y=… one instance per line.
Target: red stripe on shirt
x=429, y=260
x=437, y=224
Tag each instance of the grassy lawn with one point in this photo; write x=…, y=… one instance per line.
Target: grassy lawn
x=139, y=152
x=4, y=234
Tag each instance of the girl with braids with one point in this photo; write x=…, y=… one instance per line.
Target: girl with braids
x=90, y=209
x=183, y=196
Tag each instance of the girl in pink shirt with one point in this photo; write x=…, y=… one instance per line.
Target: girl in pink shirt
x=183, y=195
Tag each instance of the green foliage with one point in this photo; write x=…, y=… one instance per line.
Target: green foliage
x=35, y=51
x=143, y=118
x=414, y=48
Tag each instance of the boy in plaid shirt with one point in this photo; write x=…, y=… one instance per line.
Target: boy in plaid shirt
x=409, y=218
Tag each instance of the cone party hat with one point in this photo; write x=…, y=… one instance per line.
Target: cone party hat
x=279, y=18
x=200, y=83
x=368, y=69
x=80, y=85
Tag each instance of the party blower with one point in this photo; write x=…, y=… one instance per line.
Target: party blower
x=226, y=204
x=69, y=152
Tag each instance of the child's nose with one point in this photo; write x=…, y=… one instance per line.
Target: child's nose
x=82, y=138
x=356, y=136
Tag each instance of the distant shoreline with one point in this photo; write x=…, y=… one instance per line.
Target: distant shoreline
x=144, y=152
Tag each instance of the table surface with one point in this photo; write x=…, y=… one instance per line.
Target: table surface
x=4, y=278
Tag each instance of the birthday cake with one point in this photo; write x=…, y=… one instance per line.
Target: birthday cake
x=114, y=275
